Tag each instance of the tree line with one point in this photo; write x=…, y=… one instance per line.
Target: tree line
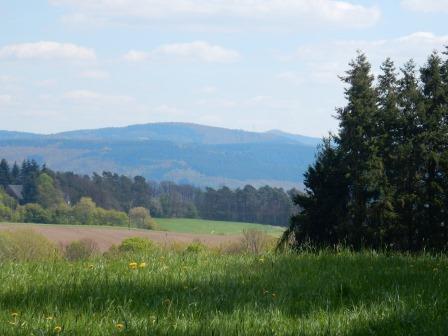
x=382, y=180
x=120, y=193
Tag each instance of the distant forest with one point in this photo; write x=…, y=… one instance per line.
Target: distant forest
x=55, y=191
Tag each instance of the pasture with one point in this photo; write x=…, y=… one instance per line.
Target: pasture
x=186, y=225
x=204, y=293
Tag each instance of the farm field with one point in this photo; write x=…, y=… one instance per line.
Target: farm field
x=106, y=236
x=203, y=293
x=187, y=225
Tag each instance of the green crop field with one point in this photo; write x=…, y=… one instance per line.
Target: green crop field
x=205, y=293
x=213, y=227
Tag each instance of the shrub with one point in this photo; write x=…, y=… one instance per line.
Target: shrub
x=136, y=245
x=5, y=213
x=25, y=245
x=110, y=217
x=81, y=249
x=196, y=247
x=141, y=218
x=34, y=213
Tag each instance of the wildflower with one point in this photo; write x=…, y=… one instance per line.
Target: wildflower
x=133, y=265
x=57, y=329
x=91, y=266
x=119, y=326
x=142, y=265
x=14, y=314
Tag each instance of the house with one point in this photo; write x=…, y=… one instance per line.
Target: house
x=15, y=190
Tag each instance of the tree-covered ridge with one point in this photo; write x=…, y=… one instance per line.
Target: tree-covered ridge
x=57, y=191
x=382, y=181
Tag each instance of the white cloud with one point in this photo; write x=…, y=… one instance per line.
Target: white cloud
x=86, y=96
x=94, y=74
x=194, y=51
x=290, y=76
x=426, y=6
x=46, y=50
x=321, y=68
x=313, y=11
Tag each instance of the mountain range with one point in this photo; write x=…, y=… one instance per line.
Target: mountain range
x=179, y=152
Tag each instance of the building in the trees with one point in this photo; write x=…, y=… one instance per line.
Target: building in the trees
x=15, y=190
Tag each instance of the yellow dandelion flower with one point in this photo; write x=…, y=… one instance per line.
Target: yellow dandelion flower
x=57, y=329
x=133, y=265
x=142, y=265
x=119, y=326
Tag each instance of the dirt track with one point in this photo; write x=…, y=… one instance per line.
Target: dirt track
x=106, y=236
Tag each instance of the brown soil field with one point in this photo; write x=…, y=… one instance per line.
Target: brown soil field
x=105, y=237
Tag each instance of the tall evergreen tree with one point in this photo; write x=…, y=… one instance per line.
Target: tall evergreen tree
x=15, y=174
x=434, y=144
x=357, y=142
x=28, y=175
x=5, y=174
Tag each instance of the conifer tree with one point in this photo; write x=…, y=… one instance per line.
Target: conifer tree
x=5, y=174
x=409, y=154
x=357, y=142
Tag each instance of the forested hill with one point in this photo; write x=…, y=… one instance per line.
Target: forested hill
x=178, y=152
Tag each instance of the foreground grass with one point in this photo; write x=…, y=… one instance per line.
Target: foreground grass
x=208, y=294
x=186, y=225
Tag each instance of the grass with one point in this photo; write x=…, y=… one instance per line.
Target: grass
x=180, y=293
x=185, y=225
x=213, y=227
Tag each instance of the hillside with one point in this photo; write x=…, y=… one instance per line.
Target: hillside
x=186, y=153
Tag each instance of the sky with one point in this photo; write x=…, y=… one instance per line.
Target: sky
x=244, y=64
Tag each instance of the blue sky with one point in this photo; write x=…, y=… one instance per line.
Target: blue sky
x=246, y=64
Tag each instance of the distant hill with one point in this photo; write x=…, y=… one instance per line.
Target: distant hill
x=180, y=152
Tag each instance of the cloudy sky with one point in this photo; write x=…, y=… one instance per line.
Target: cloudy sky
x=246, y=64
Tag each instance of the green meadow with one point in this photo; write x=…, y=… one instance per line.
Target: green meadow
x=186, y=225
x=194, y=291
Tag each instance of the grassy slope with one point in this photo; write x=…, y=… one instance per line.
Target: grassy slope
x=207, y=294
x=213, y=227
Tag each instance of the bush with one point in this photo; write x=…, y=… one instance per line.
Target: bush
x=254, y=241
x=81, y=249
x=110, y=217
x=141, y=218
x=5, y=213
x=196, y=247
x=34, y=213
x=25, y=245
x=136, y=245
